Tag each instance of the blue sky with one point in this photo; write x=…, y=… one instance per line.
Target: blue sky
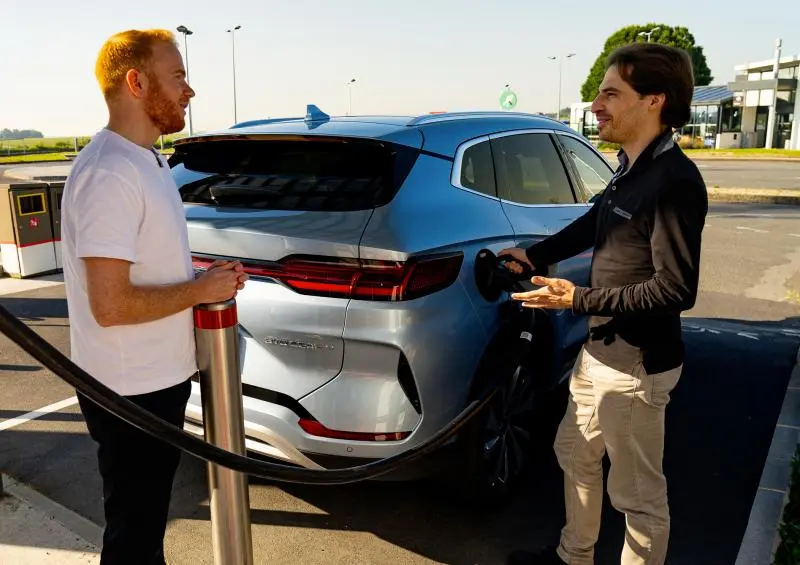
x=408, y=57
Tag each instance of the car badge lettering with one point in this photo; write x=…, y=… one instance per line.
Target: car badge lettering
x=295, y=344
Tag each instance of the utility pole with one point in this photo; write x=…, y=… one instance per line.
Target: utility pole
x=773, y=105
x=186, y=31
x=350, y=96
x=560, y=60
x=233, y=55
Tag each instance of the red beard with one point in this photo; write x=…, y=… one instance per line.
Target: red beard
x=165, y=114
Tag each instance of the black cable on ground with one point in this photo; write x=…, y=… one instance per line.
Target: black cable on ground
x=123, y=408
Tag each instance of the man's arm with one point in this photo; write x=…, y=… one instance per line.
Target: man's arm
x=115, y=301
x=677, y=231
x=106, y=212
x=574, y=238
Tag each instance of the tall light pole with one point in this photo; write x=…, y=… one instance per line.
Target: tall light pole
x=186, y=31
x=350, y=96
x=560, y=60
x=773, y=104
x=233, y=56
x=648, y=34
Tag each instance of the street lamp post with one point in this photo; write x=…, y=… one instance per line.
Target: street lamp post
x=773, y=103
x=560, y=60
x=186, y=31
x=233, y=57
x=648, y=34
x=350, y=96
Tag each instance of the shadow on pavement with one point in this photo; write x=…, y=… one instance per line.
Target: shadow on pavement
x=36, y=309
x=719, y=427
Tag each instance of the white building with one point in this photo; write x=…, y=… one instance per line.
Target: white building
x=737, y=114
x=754, y=89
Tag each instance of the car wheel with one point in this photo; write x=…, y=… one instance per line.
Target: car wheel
x=496, y=446
x=507, y=433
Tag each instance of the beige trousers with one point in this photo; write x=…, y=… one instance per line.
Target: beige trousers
x=621, y=413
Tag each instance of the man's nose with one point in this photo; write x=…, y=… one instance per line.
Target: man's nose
x=596, y=105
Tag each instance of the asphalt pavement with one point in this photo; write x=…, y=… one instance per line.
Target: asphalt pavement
x=746, y=173
x=8, y=173
x=741, y=337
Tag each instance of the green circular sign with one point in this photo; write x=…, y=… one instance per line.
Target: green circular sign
x=508, y=99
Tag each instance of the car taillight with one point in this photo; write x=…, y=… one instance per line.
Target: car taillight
x=314, y=428
x=358, y=279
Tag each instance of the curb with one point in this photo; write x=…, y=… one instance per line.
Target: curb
x=762, y=537
x=80, y=526
x=755, y=195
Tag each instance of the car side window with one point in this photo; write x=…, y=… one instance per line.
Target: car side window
x=530, y=171
x=594, y=172
x=477, y=169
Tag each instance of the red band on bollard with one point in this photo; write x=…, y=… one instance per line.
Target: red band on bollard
x=215, y=319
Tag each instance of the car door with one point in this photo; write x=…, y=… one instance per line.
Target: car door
x=473, y=172
x=537, y=193
x=536, y=190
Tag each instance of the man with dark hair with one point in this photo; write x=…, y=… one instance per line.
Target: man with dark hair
x=646, y=231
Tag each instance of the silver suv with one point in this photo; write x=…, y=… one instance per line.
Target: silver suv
x=363, y=330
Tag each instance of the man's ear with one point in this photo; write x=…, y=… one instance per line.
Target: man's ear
x=136, y=82
x=657, y=102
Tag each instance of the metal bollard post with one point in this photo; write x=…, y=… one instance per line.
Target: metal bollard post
x=217, y=340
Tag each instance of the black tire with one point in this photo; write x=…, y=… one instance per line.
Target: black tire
x=496, y=446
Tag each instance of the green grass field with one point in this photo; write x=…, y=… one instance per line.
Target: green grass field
x=34, y=141
x=12, y=151
x=37, y=158
x=49, y=157
x=57, y=142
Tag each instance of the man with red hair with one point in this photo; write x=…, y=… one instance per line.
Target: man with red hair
x=131, y=287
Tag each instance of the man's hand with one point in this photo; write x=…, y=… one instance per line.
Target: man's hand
x=555, y=294
x=237, y=266
x=221, y=281
x=520, y=259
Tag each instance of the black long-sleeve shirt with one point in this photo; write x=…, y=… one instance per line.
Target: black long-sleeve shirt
x=646, y=231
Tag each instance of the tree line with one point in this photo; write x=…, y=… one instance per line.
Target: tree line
x=20, y=133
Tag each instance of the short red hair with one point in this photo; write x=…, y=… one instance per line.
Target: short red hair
x=127, y=50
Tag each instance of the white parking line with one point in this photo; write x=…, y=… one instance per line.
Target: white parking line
x=13, y=422
x=751, y=229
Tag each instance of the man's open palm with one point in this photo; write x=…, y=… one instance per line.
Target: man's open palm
x=554, y=294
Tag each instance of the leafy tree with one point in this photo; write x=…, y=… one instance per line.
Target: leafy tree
x=674, y=36
x=19, y=133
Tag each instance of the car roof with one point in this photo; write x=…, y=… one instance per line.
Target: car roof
x=439, y=132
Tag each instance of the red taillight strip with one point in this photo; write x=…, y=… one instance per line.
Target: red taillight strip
x=360, y=280
x=314, y=428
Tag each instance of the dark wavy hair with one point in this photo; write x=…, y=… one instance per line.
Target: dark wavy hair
x=653, y=68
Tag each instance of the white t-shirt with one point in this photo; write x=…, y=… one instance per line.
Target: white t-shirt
x=119, y=203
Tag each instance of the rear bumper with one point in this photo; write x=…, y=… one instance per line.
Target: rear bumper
x=273, y=430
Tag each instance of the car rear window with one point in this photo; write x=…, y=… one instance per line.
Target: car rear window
x=324, y=174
